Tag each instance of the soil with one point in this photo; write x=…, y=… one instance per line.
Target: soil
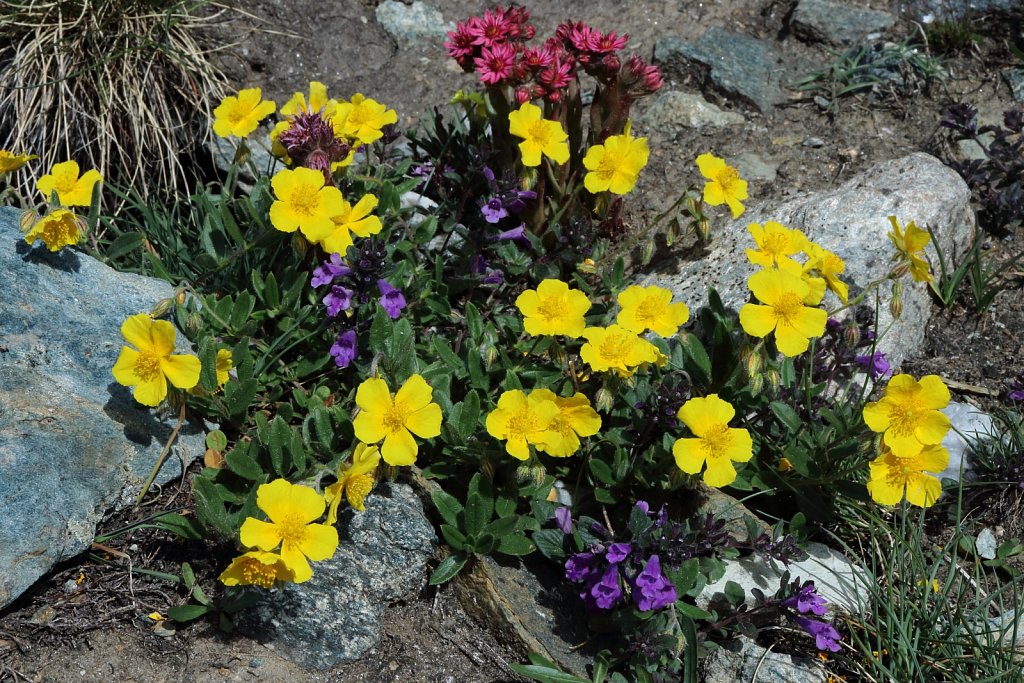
x=63, y=631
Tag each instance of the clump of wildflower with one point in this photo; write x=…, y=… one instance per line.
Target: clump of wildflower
x=310, y=141
x=783, y=311
x=724, y=185
x=59, y=228
x=540, y=136
x=891, y=477
x=239, y=115
x=650, y=308
x=908, y=414
x=616, y=348
x=152, y=364
x=910, y=244
x=304, y=202
x=575, y=418
x=71, y=189
x=292, y=510
x=355, y=481
x=716, y=444
x=12, y=161
x=615, y=165
x=256, y=568
x=553, y=309
x=522, y=421
x=394, y=418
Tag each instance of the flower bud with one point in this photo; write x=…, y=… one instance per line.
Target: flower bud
x=487, y=467
x=900, y=270
x=194, y=323
x=756, y=384
x=490, y=356
x=161, y=308
x=603, y=400
x=588, y=266
x=896, y=304
x=647, y=252
x=300, y=243
x=774, y=379
x=851, y=333
x=556, y=353
x=27, y=220
x=179, y=296
x=523, y=474
x=753, y=361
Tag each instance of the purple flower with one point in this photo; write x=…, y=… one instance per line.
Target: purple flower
x=826, y=637
x=806, y=600
x=493, y=277
x=517, y=235
x=338, y=299
x=651, y=589
x=493, y=210
x=563, y=519
x=326, y=273
x=580, y=567
x=607, y=592
x=391, y=299
x=642, y=504
x=617, y=552
x=515, y=202
x=344, y=348
x=876, y=364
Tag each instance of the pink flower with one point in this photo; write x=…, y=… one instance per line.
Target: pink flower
x=460, y=45
x=516, y=19
x=606, y=43
x=557, y=76
x=644, y=78
x=495, y=64
x=538, y=58
x=491, y=29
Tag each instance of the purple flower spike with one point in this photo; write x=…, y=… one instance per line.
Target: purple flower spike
x=607, y=592
x=807, y=600
x=344, y=349
x=826, y=637
x=617, y=552
x=329, y=270
x=876, y=364
x=651, y=589
x=338, y=299
x=391, y=299
x=493, y=210
x=563, y=520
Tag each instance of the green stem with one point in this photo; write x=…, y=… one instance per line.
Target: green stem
x=163, y=454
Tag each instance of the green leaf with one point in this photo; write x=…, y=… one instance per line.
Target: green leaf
x=697, y=354
x=447, y=506
x=208, y=367
x=210, y=507
x=277, y=444
x=692, y=611
x=601, y=471
x=474, y=322
x=216, y=440
x=124, y=244
x=271, y=294
x=734, y=593
x=787, y=416
x=545, y=674
x=602, y=495
x=185, y=613
x=478, y=513
x=550, y=543
x=469, y=416
x=179, y=525
x=238, y=396
x=484, y=543
x=515, y=544
x=502, y=526
x=239, y=461
x=453, y=537
x=447, y=355
x=381, y=332
x=449, y=568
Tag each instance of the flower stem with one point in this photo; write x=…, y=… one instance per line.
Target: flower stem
x=163, y=454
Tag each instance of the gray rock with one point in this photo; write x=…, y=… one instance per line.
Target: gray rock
x=851, y=221
x=746, y=661
x=737, y=65
x=753, y=167
x=969, y=426
x=986, y=544
x=841, y=582
x=223, y=150
x=413, y=23
x=1014, y=78
x=835, y=23
x=928, y=11
x=335, y=616
x=73, y=442
x=675, y=109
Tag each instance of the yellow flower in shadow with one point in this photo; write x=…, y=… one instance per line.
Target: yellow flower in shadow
x=150, y=365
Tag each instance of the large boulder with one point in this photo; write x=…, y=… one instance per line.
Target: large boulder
x=73, y=442
x=852, y=221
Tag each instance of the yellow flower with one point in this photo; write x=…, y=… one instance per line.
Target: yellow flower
x=575, y=419
x=318, y=102
x=775, y=244
x=149, y=368
x=351, y=219
x=9, y=161
x=910, y=248
x=829, y=266
x=363, y=118
x=521, y=420
x=304, y=202
x=650, y=308
x=724, y=184
x=394, y=419
x=890, y=476
x=616, y=348
x=540, y=136
x=355, y=481
x=553, y=309
x=239, y=116
x=615, y=165
x=71, y=190
x=291, y=509
x=782, y=310
x=224, y=364
x=256, y=568
x=816, y=286
x=908, y=414
x=59, y=228
x=717, y=444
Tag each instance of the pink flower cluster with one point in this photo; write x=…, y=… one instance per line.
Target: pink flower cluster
x=494, y=46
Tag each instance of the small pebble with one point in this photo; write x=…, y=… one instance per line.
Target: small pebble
x=71, y=587
x=986, y=544
x=822, y=102
x=255, y=663
x=813, y=142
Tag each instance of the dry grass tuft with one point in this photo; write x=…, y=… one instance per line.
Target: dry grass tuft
x=117, y=85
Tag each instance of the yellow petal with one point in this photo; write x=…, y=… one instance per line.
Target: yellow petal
x=876, y=416
x=151, y=392
x=758, y=320
x=689, y=455
x=296, y=562
x=399, y=448
x=256, y=533
x=741, y=447
x=182, y=370
x=720, y=472
x=136, y=331
x=319, y=541
x=709, y=165
x=124, y=367
x=370, y=427
x=933, y=428
x=413, y=395
x=923, y=490
x=373, y=396
x=425, y=422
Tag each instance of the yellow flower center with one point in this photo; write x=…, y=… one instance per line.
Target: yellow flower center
x=357, y=487
x=359, y=115
x=522, y=423
x=614, y=348
x=649, y=311
x=900, y=471
x=775, y=244
x=553, y=309
x=726, y=177
x=717, y=439
x=147, y=367
x=902, y=420
x=66, y=183
x=258, y=574
x=394, y=418
x=305, y=199
x=293, y=530
x=787, y=307
x=540, y=133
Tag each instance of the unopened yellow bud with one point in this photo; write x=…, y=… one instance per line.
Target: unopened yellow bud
x=647, y=252
x=194, y=323
x=756, y=383
x=588, y=266
x=27, y=220
x=774, y=379
x=161, y=308
x=179, y=296
x=300, y=243
x=900, y=270
x=490, y=356
x=896, y=307
x=753, y=361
